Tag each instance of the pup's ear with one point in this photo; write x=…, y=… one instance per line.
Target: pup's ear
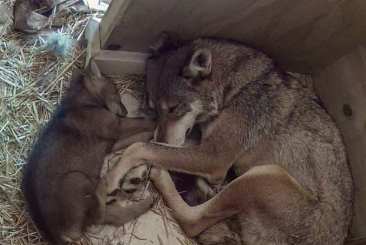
x=94, y=69
x=76, y=76
x=199, y=65
x=167, y=41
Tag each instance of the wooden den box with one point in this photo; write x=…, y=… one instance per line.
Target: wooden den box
x=322, y=40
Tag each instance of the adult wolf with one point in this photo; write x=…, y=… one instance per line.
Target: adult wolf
x=294, y=185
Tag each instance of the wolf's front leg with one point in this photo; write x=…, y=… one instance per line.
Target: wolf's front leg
x=211, y=159
x=201, y=160
x=128, y=161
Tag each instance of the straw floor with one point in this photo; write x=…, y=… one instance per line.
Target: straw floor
x=32, y=83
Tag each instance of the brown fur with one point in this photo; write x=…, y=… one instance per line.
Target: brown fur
x=293, y=182
x=194, y=190
x=61, y=182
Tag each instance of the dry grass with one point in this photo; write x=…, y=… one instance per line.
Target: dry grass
x=32, y=83
x=161, y=209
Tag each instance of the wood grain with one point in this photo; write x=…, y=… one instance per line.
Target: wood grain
x=360, y=241
x=121, y=62
x=341, y=83
x=303, y=36
x=92, y=35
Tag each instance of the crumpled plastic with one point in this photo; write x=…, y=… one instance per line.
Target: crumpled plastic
x=34, y=15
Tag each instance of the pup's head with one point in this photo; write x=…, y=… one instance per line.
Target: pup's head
x=180, y=89
x=101, y=89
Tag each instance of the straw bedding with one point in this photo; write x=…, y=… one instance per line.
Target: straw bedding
x=32, y=83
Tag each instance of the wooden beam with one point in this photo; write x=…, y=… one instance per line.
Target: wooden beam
x=92, y=35
x=112, y=19
x=121, y=62
x=356, y=241
x=303, y=36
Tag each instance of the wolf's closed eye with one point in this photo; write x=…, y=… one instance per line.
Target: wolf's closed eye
x=172, y=109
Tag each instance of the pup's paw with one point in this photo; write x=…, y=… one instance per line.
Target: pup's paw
x=113, y=184
x=134, y=178
x=120, y=197
x=150, y=200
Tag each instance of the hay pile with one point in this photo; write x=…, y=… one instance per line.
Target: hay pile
x=32, y=83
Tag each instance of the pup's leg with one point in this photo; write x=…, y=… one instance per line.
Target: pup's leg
x=75, y=197
x=126, y=142
x=117, y=215
x=97, y=213
x=268, y=191
x=101, y=122
x=131, y=126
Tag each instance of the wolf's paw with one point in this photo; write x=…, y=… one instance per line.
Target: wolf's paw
x=134, y=178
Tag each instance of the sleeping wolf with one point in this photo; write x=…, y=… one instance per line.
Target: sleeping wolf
x=61, y=182
x=293, y=183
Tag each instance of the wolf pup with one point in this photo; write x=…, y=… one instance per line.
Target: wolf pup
x=293, y=183
x=61, y=183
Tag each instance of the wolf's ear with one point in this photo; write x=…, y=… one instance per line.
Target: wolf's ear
x=94, y=69
x=167, y=41
x=199, y=65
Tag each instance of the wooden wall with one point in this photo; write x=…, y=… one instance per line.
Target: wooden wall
x=302, y=35
x=342, y=88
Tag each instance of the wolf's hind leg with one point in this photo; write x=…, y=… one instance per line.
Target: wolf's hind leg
x=267, y=191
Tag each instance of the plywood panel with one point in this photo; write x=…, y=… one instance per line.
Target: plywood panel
x=121, y=62
x=92, y=35
x=360, y=241
x=304, y=36
x=342, y=88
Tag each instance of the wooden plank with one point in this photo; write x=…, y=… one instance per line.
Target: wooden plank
x=92, y=35
x=303, y=36
x=112, y=18
x=342, y=88
x=361, y=241
x=121, y=62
